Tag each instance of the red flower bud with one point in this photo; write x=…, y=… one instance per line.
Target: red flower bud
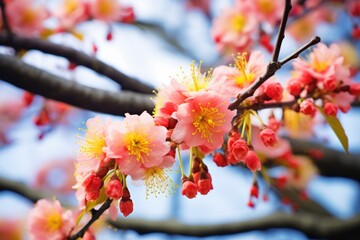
x=294, y=87
x=220, y=160
x=92, y=183
x=251, y=204
x=205, y=184
x=355, y=89
x=330, y=84
x=189, y=188
x=307, y=107
x=268, y=137
x=239, y=150
x=330, y=109
x=274, y=91
x=126, y=207
x=252, y=161
x=254, y=191
x=114, y=189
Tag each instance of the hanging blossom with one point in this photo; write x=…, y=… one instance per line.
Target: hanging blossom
x=25, y=17
x=48, y=220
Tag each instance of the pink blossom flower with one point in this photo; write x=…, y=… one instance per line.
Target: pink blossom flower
x=202, y=122
x=232, y=31
x=72, y=12
x=25, y=17
x=267, y=10
x=268, y=137
x=246, y=70
x=92, y=155
x=137, y=143
x=105, y=10
x=47, y=220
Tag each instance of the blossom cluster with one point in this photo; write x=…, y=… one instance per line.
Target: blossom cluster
x=26, y=17
x=191, y=113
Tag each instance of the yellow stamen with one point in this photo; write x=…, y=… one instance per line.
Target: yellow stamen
x=245, y=77
x=238, y=23
x=28, y=16
x=319, y=66
x=53, y=221
x=138, y=145
x=206, y=121
x=157, y=181
x=197, y=81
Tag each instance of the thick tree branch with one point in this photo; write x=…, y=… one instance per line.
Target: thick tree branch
x=21, y=189
x=331, y=163
x=77, y=57
x=27, y=77
x=311, y=225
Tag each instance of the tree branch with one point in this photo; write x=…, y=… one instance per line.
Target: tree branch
x=311, y=225
x=80, y=58
x=95, y=214
x=21, y=189
x=27, y=77
x=332, y=163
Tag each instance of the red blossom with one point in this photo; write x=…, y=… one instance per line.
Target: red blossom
x=252, y=161
x=189, y=188
x=239, y=150
x=114, y=189
x=330, y=109
x=126, y=207
x=307, y=107
x=355, y=89
x=294, y=87
x=92, y=183
x=274, y=91
x=268, y=137
x=220, y=160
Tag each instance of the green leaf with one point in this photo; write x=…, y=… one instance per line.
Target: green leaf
x=337, y=128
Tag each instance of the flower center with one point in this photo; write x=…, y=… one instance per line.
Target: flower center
x=28, y=16
x=197, y=81
x=244, y=77
x=138, y=145
x=157, y=181
x=53, y=221
x=206, y=121
x=319, y=66
x=93, y=145
x=238, y=23
x=105, y=7
x=70, y=6
x=266, y=6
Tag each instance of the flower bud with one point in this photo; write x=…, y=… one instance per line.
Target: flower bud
x=252, y=161
x=330, y=84
x=205, y=184
x=274, y=91
x=268, y=137
x=239, y=149
x=307, y=107
x=114, y=189
x=220, y=160
x=355, y=89
x=188, y=188
x=330, y=109
x=294, y=87
x=126, y=207
x=92, y=183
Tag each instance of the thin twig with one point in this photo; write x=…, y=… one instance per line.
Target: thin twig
x=95, y=214
x=296, y=54
x=281, y=33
